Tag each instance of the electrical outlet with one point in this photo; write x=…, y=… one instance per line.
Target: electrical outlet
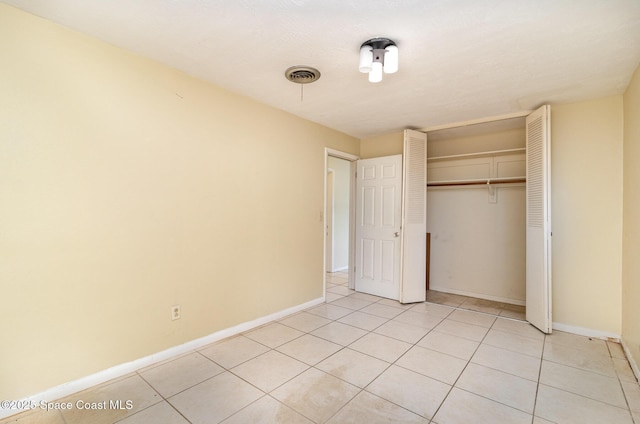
x=175, y=312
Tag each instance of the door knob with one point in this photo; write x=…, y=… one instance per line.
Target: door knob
x=396, y=234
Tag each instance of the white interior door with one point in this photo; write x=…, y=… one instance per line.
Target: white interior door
x=414, y=218
x=538, y=274
x=378, y=226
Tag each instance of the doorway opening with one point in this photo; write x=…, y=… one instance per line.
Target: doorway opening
x=476, y=217
x=339, y=218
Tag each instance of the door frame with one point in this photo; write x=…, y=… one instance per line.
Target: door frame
x=352, y=214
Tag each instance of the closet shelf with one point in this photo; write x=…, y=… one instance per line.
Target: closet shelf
x=481, y=181
x=477, y=155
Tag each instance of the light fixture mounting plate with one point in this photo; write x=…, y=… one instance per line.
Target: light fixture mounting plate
x=378, y=43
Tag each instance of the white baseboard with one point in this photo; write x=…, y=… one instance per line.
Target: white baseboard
x=478, y=295
x=596, y=334
x=588, y=332
x=103, y=376
x=632, y=361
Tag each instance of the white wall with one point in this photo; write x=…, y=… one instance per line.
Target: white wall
x=478, y=247
x=341, y=196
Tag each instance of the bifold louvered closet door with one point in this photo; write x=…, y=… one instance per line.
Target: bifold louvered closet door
x=414, y=218
x=538, y=274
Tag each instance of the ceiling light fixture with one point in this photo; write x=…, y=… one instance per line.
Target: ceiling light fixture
x=378, y=55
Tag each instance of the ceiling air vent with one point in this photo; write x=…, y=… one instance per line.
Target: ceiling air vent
x=302, y=74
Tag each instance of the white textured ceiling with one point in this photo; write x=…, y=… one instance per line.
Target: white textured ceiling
x=459, y=60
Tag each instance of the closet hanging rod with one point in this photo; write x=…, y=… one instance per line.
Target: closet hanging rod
x=483, y=181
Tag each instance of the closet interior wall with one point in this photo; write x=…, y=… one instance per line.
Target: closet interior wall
x=478, y=236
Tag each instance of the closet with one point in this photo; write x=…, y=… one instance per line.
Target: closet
x=489, y=212
x=476, y=210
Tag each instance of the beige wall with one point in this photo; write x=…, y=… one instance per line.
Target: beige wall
x=383, y=145
x=393, y=144
x=631, y=238
x=128, y=187
x=586, y=175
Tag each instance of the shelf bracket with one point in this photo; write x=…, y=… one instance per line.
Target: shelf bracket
x=493, y=195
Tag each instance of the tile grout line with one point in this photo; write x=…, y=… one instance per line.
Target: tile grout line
x=311, y=366
x=449, y=391
x=541, y=359
x=390, y=364
x=465, y=367
x=535, y=399
x=363, y=389
x=231, y=372
x=162, y=399
x=628, y=409
x=457, y=378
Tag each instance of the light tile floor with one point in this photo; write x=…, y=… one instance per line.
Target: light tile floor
x=479, y=305
x=362, y=359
